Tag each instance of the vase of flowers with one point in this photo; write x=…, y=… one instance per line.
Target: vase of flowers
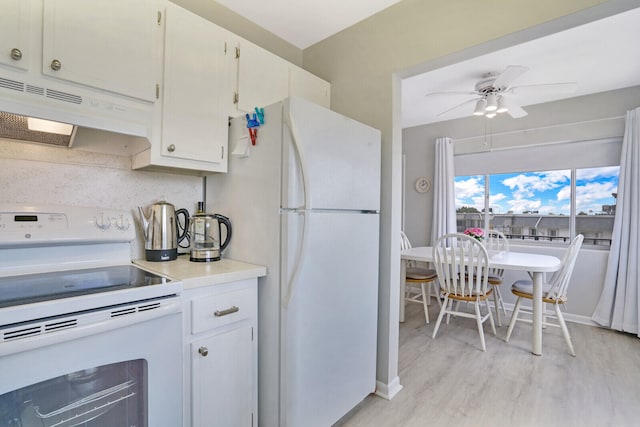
x=476, y=233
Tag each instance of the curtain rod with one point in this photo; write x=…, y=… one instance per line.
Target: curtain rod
x=512, y=132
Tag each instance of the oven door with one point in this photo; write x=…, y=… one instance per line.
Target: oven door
x=121, y=372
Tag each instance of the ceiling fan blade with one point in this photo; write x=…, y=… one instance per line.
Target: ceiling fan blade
x=509, y=74
x=450, y=93
x=459, y=106
x=516, y=111
x=545, y=88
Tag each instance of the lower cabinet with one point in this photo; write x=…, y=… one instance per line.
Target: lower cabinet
x=221, y=355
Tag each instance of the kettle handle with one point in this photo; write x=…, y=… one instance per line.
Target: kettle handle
x=182, y=230
x=227, y=224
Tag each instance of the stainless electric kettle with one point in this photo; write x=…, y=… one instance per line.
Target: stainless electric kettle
x=161, y=231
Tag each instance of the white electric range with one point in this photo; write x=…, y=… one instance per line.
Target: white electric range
x=86, y=338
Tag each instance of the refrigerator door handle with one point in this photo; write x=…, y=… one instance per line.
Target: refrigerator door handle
x=301, y=160
x=305, y=219
x=299, y=259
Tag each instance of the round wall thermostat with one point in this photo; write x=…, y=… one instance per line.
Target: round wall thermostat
x=423, y=184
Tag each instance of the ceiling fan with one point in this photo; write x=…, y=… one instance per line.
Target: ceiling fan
x=494, y=94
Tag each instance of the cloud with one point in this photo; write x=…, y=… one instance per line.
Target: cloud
x=495, y=198
x=564, y=193
x=593, y=195
x=468, y=188
x=526, y=185
x=597, y=173
x=519, y=205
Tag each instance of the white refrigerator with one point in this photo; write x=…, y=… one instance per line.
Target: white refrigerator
x=304, y=201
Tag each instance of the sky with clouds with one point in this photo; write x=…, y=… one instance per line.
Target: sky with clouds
x=547, y=192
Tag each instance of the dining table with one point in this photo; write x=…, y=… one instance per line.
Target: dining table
x=535, y=264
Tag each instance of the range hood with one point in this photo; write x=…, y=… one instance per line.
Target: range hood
x=17, y=127
x=14, y=126
x=100, y=121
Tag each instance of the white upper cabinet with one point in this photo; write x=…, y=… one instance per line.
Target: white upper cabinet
x=106, y=44
x=263, y=78
x=194, y=122
x=15, y=33
x=260, y=78
x=305, y=85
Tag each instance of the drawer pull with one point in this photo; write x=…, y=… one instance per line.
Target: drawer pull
x=231, y=310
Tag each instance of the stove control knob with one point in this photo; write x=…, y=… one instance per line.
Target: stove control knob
x=121, y=223
x=204, y=351
x=102, y=223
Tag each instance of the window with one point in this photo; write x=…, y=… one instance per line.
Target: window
x=546, y=206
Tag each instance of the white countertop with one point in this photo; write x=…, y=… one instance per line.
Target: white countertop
x=197, y=274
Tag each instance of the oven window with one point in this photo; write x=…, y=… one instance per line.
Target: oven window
x=112, y=395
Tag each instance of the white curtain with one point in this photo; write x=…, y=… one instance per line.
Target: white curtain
x=620, y=299
x=444, y=199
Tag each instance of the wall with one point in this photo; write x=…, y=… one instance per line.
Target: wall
x=364, y=64
x=36, y=174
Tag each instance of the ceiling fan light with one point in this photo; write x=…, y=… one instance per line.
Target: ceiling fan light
x=479, y=111
x=492, y=102
x=490, y=115
x=502, y=105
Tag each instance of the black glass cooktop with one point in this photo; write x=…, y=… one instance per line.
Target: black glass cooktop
x=31, y=288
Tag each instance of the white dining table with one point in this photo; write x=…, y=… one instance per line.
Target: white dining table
x=536, y=264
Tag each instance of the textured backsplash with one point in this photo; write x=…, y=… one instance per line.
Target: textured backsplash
x=34, y=174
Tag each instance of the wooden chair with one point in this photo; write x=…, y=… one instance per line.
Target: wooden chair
x=554, y=292
x=496, y=242
x=424, y=277
x=461, y=263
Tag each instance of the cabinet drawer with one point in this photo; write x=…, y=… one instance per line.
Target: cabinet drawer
x=218, y=310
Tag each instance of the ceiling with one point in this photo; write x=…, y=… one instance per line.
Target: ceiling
x=596, y=56
x=306, y=22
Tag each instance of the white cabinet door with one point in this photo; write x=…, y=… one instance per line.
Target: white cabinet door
x=223, y=379
x=194, y=123
x=263, y=78
x=305, y=85
x=14, y=33
x=106, y=44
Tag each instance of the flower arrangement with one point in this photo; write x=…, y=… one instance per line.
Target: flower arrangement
x=476, y=233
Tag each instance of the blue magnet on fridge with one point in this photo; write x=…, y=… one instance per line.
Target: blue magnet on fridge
x=260, y=113
x=252, y=122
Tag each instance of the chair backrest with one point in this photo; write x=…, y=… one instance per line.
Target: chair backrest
x=404, y=241
x=561, y=278
x=462, y=264
x=496, y=241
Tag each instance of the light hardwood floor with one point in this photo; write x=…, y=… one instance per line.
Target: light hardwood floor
x=449, y=381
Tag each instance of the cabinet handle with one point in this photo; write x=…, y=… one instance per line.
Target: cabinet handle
x=204, y=351
x=16, y=54
x=220, y=313
x=56, y=65
x=171, y=148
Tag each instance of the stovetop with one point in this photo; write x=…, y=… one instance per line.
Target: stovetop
x=34, y=288
x=59, y=260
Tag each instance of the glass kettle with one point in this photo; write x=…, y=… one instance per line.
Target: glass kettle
x=205, y=232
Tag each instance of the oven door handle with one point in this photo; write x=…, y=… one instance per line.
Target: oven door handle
x=37, y=335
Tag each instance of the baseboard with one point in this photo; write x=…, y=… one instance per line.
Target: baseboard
x=388, y=391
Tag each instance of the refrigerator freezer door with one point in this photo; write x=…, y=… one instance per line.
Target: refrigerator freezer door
x=341, y=159
x=330, y=324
